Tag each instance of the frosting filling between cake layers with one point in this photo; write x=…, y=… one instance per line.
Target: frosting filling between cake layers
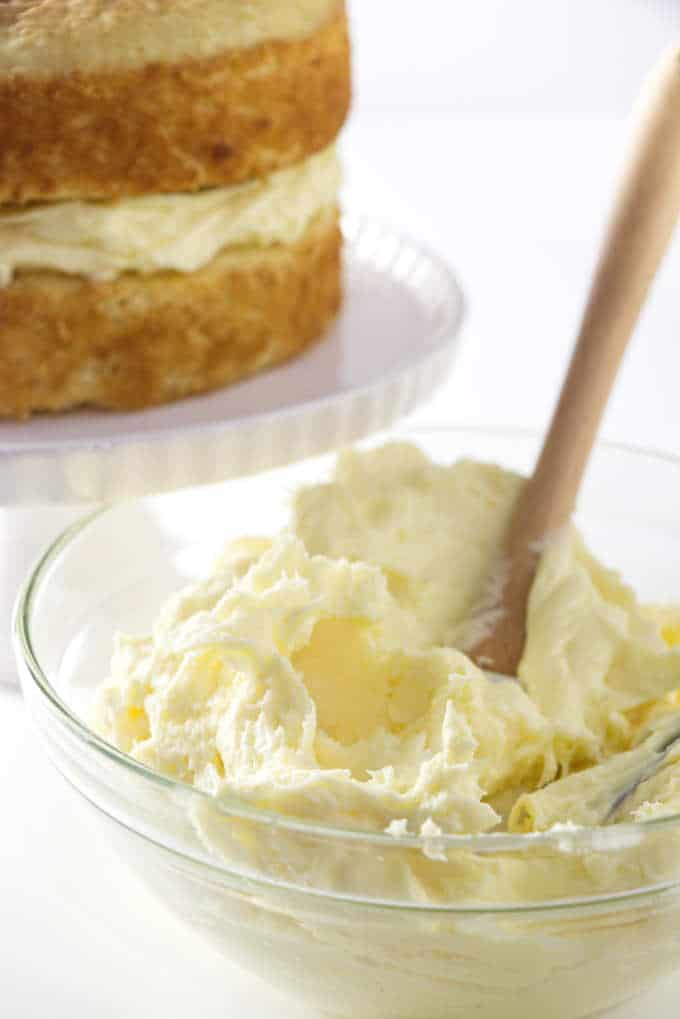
x=177, y=232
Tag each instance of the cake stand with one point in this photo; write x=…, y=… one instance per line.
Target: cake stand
x=392, y=344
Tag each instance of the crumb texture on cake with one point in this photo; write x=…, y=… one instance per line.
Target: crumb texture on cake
x=141, y=340
x=46, y=37
x=167, y=126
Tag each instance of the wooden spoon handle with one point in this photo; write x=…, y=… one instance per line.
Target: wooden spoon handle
x=644, y=216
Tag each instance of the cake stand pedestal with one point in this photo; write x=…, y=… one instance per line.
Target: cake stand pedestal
x=392, y=344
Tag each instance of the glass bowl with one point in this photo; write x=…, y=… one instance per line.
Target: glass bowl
x=562, y=924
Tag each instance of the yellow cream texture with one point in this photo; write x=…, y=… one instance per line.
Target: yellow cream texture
x=179, y=232
x=319, y=673
x=43, y=37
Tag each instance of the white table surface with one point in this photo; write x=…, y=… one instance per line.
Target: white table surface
x=517, y=206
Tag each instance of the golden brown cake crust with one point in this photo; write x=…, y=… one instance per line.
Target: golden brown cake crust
x=142, y=340
x=168, y=127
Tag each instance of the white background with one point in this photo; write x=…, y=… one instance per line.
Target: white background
x=496, y=130
x=493, y=130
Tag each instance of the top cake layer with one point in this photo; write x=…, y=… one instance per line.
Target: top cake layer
x=108, y=99
x=46, y=37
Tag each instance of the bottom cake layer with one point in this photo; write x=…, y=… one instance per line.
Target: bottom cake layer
x=136, y=341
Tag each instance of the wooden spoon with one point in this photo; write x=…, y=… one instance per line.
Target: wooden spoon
x=644, y=216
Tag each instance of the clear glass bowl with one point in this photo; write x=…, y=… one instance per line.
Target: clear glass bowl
x=358, y=924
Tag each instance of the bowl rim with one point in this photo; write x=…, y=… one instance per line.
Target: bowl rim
x=570, y=838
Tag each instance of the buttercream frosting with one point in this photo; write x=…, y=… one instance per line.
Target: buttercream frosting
x=178, y=232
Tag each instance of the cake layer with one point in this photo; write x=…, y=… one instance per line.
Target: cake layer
x=45, y=37
x=183, y=232
x=167, y=125
x=139, y=340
